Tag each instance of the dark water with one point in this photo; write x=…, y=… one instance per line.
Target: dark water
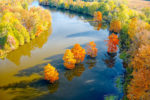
x=21, y=72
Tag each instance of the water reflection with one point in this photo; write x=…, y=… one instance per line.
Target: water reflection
x=26, y=49
x=53, y=87
x=110, y=59
x=111, y=97
x=91, y=62
x=119, y=82
x=26, y=89
x=99, y=25
x=83, y=17
x=76, y=72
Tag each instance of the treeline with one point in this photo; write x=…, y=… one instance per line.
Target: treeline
x=137, y=55
x=134, y=30
x=19, y=24
x=110, y=9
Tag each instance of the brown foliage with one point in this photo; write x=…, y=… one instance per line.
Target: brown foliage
x=139, y=88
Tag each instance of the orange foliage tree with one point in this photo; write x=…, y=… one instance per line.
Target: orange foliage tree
x=112, y=43
x=69, y=60
x=115, y=26
x=98, y=16
x=79, y=53
x=91, y=49
x=51, y=73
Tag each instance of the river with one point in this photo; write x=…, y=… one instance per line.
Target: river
x=21, y=72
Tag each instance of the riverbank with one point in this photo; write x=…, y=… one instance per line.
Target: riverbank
x=20, y=24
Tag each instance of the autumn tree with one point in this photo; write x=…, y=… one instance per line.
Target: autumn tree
x=78, y=52
x=51, y=73
x=98, y=16
x=112, y=43
x=69, y=60
x=132, y=27
x=115, y=26
x=91, y=49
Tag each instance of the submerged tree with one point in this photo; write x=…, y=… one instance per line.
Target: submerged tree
x=51, y=73
x=69, y=60
x=112, y=43
x=91, y=49
x=79, y=53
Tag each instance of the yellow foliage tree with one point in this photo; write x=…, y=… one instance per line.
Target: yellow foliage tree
x=142, y=57
x=51, y=73
x=115, y=26
x=69, y=61
x=132, y=30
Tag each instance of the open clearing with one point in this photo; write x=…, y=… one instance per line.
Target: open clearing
x=139, y=4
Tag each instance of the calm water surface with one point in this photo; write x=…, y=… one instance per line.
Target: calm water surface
x=21, y=72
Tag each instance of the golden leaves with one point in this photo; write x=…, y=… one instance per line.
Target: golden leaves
x=115, y=26
x=69, y=60
x=51, y=73
x=132, y=27
x=79, y=53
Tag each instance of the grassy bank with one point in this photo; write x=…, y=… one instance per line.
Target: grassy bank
x=20, y=24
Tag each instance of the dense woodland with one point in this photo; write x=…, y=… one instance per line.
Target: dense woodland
x=20, y=24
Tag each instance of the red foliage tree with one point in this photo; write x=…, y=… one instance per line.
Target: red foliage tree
x=112, y=43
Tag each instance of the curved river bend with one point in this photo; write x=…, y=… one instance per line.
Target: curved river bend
x=21, y=72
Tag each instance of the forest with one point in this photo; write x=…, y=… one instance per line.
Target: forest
x=19, y=24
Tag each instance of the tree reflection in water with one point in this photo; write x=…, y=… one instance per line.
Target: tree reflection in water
x=110, y=59
x=76, y=72
x=53, y=87
x=91, y=62
x=98, y=26
x=26, y=49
